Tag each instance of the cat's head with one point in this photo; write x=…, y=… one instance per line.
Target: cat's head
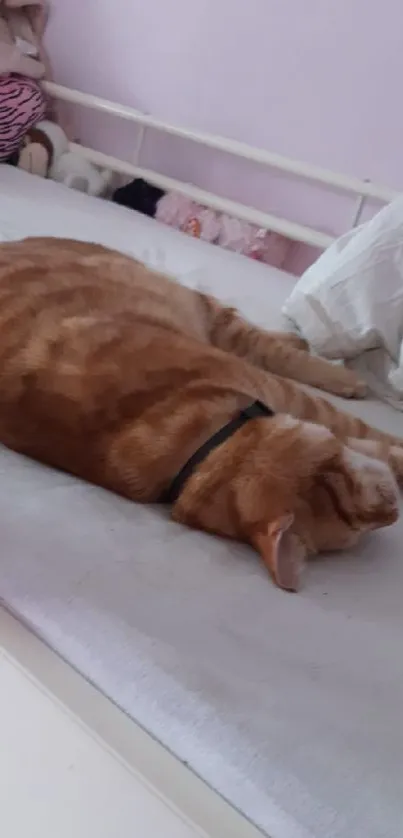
x=289, y=488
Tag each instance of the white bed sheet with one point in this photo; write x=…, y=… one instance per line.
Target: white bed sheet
x=289, y=706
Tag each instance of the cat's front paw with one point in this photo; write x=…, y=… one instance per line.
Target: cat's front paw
x=347, y=384
x=357, y=389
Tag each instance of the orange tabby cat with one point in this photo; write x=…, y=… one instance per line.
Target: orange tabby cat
x=119, y=375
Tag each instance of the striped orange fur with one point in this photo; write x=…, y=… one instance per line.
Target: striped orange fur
x=118, y=374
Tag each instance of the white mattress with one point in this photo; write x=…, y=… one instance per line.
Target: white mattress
x=290, y=706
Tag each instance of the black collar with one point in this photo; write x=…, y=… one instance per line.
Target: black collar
x=256, y=410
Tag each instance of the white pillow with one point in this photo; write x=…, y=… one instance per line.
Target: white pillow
x=349, y=304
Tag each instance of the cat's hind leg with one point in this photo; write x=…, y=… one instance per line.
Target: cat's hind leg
x=279, y=353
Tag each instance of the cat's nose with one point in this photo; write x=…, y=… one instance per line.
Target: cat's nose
x=388, y=503
x=389, y=517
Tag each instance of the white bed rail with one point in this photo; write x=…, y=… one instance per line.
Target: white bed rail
x=362, y=189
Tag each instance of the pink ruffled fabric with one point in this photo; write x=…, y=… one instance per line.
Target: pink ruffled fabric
x=215, y=227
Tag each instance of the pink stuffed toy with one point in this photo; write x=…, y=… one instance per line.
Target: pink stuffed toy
x=23, y=63
x=217, y=228
x=184, y=214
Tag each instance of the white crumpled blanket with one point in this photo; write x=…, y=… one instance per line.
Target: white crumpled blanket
x=349, y=304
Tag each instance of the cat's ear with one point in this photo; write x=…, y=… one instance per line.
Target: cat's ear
x=282, y=552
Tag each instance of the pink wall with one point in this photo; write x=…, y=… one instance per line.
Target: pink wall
x=316, y=79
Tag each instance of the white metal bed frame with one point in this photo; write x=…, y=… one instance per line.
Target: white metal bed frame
x=363, y=190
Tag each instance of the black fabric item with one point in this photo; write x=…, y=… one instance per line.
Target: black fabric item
x=256, y=410
x=139, y=195
x=13, y=160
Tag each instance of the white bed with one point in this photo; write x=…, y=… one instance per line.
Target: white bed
x=288, y=706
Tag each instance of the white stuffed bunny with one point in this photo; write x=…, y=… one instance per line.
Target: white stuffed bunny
x=78, y=173
x=66, y=166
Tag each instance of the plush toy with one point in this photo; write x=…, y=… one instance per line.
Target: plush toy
x=22, y=64
x=218, y=228
x=36, y=154
x=22, y=104
x=46, y=152
x=255, y=242
x=186, y=215
x=75, y=171
x=22, y=25
x=203, y=223
x=139, y=195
